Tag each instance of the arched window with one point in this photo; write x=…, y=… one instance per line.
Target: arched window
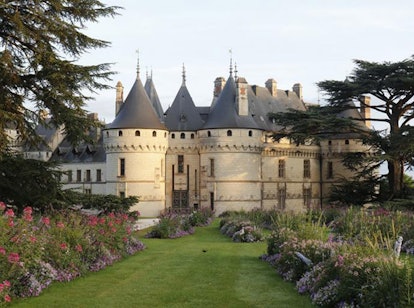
x=192, y=136
x=137, y=133
x=120, y=133
x=250, y=133
x=346, y=141
x=107, y=134
x=208, y=134
x=182, y=136
x=229, y=133
x=172, y=136
x=154, y=134
x=165, y=135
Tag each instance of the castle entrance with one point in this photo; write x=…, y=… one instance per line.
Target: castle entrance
x=180, y=199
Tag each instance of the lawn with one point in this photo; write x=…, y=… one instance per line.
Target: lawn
x=203, y=270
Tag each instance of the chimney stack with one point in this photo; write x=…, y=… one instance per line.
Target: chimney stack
x=218, y=86
x=119, y=97
x=271, y=85
x=241, y=96
x=365, y=109
x=297, y=88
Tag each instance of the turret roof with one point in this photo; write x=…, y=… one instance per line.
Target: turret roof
x=137, y=111
x=153, y=96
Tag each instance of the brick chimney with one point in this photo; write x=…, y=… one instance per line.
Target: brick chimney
x=271, y=85
x=119, y=97
x=218, y=86
x=365, y=109
x=241, y=96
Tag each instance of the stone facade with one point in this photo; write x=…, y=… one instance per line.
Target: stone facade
x=220, y=156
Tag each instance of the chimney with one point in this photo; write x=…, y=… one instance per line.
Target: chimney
x=218, y=86
x=365, y=109
x=271, y=85
x=119, y=97
x=241, y=96
x=297, y=88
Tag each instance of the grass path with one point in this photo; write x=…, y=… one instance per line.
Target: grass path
x=177, y=273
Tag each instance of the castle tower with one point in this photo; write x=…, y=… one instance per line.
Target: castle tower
x=230, y=153
x=182, y=162
x=135, y=144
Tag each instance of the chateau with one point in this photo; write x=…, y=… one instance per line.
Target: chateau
x=221, y=156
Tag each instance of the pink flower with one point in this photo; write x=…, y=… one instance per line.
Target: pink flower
x=7, y=283
x=13, y=257
x=33, y=239
x=28, y=210
x=63, y=246
x=78, y=248
x=9, y=213
x=7, y=298
x=1, y=287
x=60, y=225
x=46, y=221
x=2, y=206
x=11, y=222
x=2, y=251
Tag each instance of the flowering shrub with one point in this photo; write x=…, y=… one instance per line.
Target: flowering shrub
x=37, y=250
x=240, y=230
x=202, y=217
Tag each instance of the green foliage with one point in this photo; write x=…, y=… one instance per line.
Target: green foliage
x=31, y=182
x=40, y=43
x=104, y=203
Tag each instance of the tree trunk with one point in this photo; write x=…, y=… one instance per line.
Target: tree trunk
x=395, y=178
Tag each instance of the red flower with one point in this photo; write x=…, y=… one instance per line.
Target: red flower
x=46, y=221
x=78, y=248
x=11, y=222
x=13, y=257
x=63, y=246
x=60, y=225
x=9, y=213
x=2, y=251
x=33, y=239
x=7, y=283
x=7, y=298
x=28, y=210
x=2, y=206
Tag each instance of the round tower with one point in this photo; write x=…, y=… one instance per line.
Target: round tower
x=136, y=143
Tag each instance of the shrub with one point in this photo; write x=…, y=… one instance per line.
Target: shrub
x=171, y=225
x=240, y=230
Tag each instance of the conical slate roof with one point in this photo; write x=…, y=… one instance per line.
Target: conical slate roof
x=153, y=96
x=224, y=113
x=137, y=111
x=183, y=114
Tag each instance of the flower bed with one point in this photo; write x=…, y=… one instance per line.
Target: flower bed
x=240, y=230
x=37, y=250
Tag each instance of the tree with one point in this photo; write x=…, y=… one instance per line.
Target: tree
x=392, y=86
x=40, y=44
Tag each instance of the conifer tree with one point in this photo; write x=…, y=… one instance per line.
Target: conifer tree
x=40, y=45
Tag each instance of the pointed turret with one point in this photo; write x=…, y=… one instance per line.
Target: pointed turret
x=153, y=96
x=183, y=114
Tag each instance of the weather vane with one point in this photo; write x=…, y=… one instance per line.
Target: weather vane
x=137, y=51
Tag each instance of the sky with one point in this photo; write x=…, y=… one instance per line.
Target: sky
x=296, y=41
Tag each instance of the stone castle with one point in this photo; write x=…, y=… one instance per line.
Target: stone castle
x=187, y=157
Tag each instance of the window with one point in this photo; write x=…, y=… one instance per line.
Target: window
x=98, y=175
x=122, y=167
x=137, y=133
x=330, y=142
x=107, y=134
x=346, y=141
x=330, y=170
x=78, y=175
x=172, y=136
x=282, y=167
x=182, y=136
x=120, y=133
x=192, y=136
x=211, y=166
x=208, y=134
x=122, y=194
x=250, y=133
x=180, y=163
x=70, y=179
x=229, y=133
x=306, y=169
x=154, y=134
x=307, y=196
x=88, y=175
x=88, y=191
x=281, y=198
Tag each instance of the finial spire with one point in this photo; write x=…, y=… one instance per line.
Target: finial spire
x=183, y=75
x=235, y=70
x=231, y=62
x=137, y=51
